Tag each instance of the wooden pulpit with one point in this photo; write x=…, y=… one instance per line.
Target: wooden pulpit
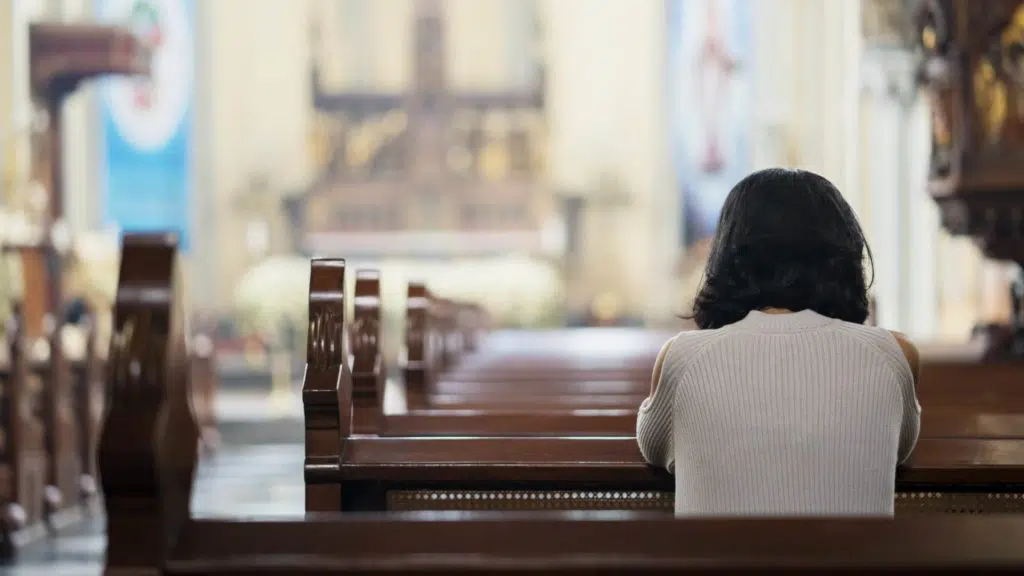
x=61, y=57
x=972, y=69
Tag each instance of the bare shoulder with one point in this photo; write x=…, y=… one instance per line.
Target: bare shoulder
x=909, y=351
x=660, y=362
x=666, y=346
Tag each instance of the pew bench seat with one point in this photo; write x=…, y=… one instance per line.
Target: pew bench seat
x=514, y=473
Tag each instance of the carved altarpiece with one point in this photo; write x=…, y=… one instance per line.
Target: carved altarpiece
x=434, y=159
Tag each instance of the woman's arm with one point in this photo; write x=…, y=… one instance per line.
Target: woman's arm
x=911, y=427
x=654, y=419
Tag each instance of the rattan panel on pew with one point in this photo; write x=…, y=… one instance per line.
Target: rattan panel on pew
x=906, y=502
x=404, y=500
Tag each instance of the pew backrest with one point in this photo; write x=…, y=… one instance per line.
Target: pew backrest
x=368, y=366
x=327, y=379
x=147, y=474
x=419, y=340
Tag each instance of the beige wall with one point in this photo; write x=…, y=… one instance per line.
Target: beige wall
x=253, y=107
x=606, y=62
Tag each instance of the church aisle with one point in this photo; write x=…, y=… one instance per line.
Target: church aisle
x=263, y=480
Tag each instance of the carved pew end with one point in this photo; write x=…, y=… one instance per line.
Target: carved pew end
x=53, y=499
x=13, y=521
x=14, y=518
x=87, y=486
x=209, y=442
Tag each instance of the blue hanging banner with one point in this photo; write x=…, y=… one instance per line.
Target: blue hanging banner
x=147, y=123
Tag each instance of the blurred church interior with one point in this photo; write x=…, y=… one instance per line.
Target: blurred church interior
x=559, y=162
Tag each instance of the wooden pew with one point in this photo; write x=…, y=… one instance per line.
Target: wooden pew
x=366, y=402
x=960, y=389
x=87, y=372
x=57, y=376
x=204, y=389
x=50, y=372
x=148, y=457
x=952, y=409
x=148, y=392
x=23, y=459
x=52, y=402
x=351, y=466
x=525, y=376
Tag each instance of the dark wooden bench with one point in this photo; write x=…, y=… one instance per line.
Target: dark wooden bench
x=564, y=369
x=204, y=388
x=579, y=369
x=52, y=406
x=23, y=459
x=369, y=375
x=943, y=417
x=61, y=387
x=357, y=460
x=148, y=459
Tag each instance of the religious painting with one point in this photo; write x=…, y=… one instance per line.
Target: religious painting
x=710, y=106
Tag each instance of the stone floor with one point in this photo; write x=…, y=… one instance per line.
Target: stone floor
x=256, y=473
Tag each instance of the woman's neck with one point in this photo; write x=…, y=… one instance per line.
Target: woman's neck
x=771, y=310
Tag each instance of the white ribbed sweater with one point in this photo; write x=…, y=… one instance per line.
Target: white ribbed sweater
x=782, y=414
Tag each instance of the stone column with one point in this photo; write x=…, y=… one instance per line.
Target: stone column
x=900, y=228
x=900, y=219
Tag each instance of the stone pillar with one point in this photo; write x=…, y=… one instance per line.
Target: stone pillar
x=901, y=222
x=899, y=225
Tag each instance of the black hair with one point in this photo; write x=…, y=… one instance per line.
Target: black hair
x=785, y=239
